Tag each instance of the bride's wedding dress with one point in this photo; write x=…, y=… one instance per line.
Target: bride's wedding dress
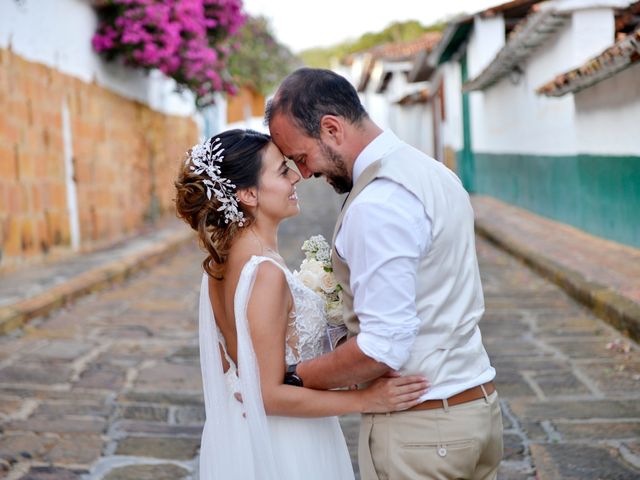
x=239, y=441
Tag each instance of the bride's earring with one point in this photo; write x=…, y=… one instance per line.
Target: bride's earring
x=248, y=196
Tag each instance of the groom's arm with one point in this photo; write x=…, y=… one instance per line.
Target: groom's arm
x=384, y=235
x=345, y=366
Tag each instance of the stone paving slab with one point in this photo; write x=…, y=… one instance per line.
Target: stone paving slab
x=560, y=393
x=36, y=291
x=580, y=462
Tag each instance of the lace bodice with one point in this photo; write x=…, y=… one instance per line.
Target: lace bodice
x=306, y=332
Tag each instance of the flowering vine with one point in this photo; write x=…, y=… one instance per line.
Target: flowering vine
x=185, y=39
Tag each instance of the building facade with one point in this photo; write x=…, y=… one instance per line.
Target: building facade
x=536, y=103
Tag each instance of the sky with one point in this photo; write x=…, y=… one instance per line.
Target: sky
x=302, y=24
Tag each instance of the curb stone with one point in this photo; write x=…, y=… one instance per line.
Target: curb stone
x=615, y=309
x=16, y=315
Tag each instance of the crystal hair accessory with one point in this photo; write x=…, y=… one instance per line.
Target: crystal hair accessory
x=206, y=158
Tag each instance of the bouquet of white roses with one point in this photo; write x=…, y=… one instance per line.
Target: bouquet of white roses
x=316, y=272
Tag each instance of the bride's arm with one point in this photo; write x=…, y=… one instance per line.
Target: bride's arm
x=267, y=312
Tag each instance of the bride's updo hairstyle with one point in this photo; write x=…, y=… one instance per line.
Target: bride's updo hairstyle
x=206, y=190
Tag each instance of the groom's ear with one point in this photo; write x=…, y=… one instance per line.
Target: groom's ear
x=248, y=196
x=332, y=129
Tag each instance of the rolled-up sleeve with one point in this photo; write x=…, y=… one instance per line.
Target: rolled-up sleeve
x=384, y=236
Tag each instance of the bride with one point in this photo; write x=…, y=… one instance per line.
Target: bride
x=256, y=318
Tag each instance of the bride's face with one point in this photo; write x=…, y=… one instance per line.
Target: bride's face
x=276, y=194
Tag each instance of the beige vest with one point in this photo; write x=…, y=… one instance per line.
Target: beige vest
x=449, y=297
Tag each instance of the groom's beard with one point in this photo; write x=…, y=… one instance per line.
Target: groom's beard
x=338, y=177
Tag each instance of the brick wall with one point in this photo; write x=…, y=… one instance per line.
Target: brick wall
x=125, y=157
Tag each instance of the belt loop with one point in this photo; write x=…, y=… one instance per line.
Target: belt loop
x=445, y=405
x=484, y=392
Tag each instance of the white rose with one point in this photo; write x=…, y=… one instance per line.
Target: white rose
x=328, y=282
x=309, y=279
x=314, y=266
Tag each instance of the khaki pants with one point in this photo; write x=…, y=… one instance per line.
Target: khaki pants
x=459, y=442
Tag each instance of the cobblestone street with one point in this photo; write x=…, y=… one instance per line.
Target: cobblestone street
x=110, y=387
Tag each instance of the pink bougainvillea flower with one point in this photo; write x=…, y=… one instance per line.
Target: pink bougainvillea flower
x=184, y=39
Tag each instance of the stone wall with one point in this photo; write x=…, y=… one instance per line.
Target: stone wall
x=124, y=157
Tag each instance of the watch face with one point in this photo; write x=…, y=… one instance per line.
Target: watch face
x=292, y=379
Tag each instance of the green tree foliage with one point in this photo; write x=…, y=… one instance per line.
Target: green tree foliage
x=395, y=32
x=258, y=60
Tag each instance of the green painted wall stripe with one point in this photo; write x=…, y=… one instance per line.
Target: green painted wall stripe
x=598, y=194
x=465, y=162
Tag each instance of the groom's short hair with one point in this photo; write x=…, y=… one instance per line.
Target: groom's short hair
x=308, y=94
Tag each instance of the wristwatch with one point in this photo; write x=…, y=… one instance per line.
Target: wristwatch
x=291, y=377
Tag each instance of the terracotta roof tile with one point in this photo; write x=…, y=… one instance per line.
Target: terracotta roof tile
x=398, y=51
x=614, y=59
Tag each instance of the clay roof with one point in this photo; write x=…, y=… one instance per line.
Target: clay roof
x=614, y=59
x=622, y=54
x=399, y=51
x=459, y=29
x=527, y=36
x=394, y=52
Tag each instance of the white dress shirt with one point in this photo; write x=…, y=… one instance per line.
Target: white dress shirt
x=384, y=234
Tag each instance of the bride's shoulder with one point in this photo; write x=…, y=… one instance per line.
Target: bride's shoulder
x=265, y=279
x=240, y=254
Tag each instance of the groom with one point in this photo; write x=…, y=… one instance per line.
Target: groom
x=404, y=252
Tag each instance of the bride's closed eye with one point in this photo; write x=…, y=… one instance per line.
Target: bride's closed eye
x=284, y=169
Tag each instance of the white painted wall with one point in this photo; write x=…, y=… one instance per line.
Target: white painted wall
x=399, y=122
x=398, y=86
x=376, y=105
x=593, y=31
x=486, y=40
x=607, y=115
x=416, y=127
x=343, y=70
x=509, y=117
x=411, y=123
x=58, y=34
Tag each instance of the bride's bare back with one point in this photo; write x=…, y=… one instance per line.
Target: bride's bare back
x=222, y=292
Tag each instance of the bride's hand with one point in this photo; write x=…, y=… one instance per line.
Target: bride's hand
x=394, y=393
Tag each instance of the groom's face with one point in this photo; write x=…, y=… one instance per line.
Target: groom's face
x=312, y=156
